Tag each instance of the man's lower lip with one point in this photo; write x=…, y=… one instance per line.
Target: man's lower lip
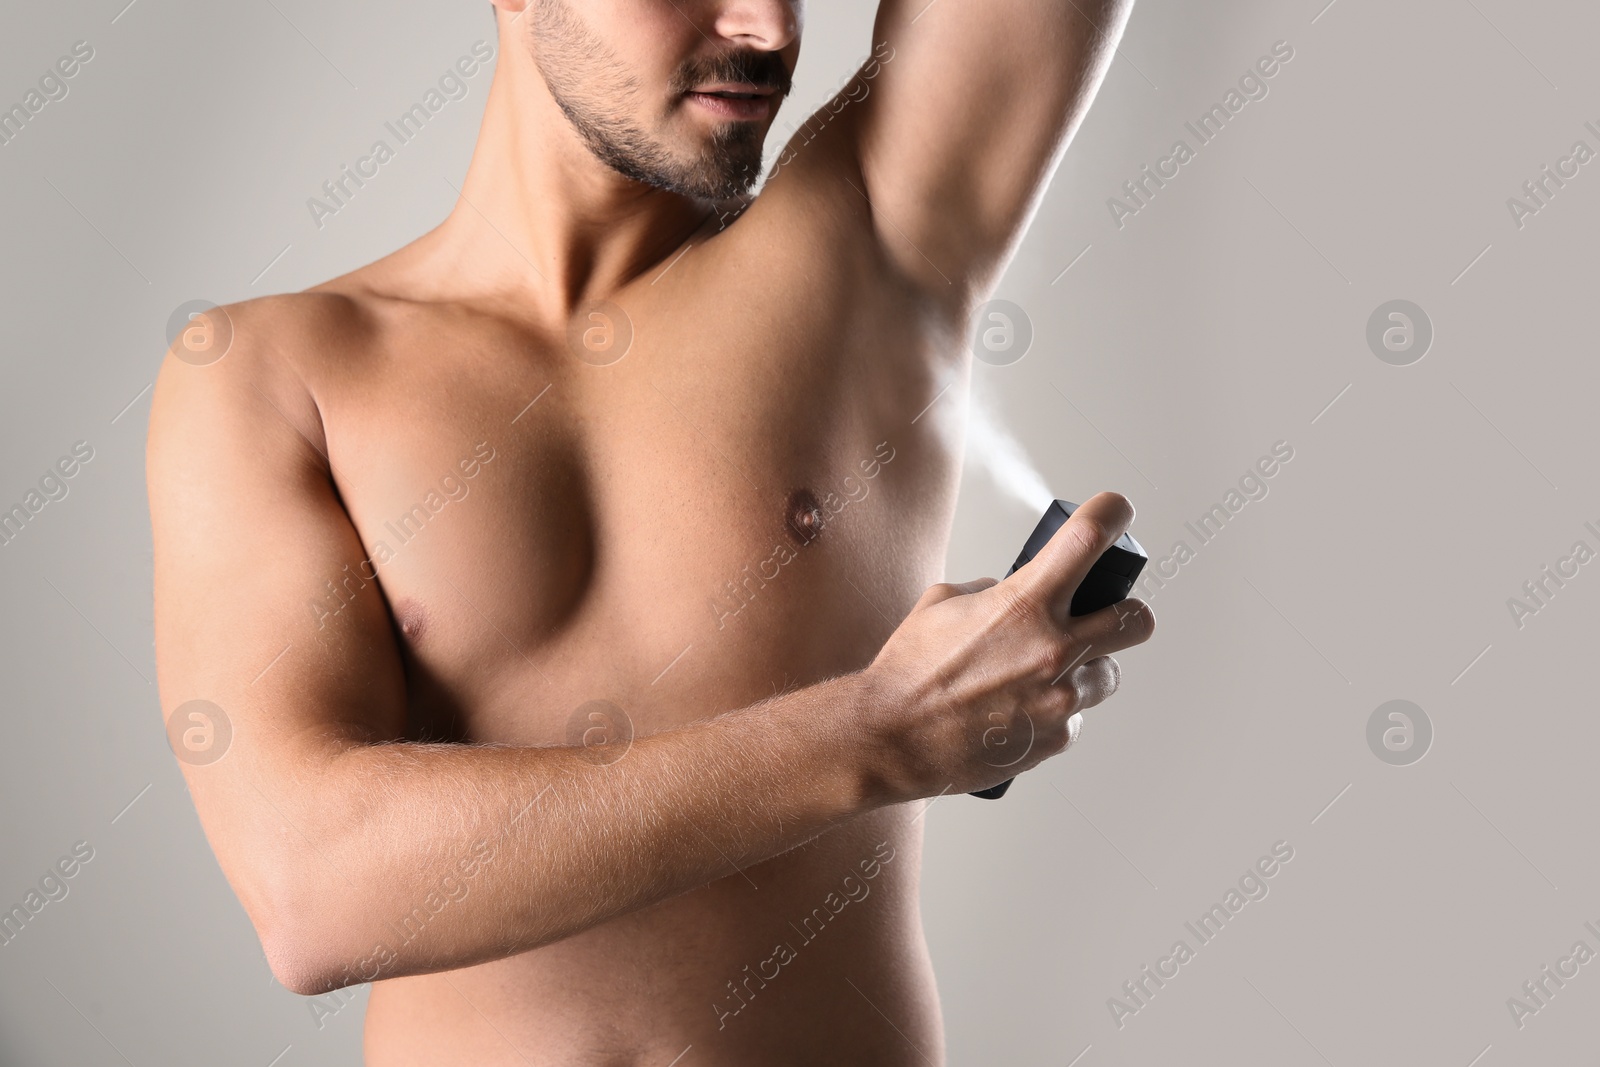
x=732, y=107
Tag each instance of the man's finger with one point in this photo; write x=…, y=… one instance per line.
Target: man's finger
x=1116, y=627
x=1096, y=681
x=1056, y=570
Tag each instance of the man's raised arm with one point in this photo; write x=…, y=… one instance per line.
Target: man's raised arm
x=967, y=109
x=359, y=855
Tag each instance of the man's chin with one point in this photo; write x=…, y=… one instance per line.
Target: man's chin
x=722, y=176
x=741, y=180
x=709, y=187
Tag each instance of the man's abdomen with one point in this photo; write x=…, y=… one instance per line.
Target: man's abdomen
x=813, y=957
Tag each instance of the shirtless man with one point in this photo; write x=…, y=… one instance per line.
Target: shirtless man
x=545, y=613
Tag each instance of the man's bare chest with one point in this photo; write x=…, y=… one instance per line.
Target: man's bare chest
x=741, y=498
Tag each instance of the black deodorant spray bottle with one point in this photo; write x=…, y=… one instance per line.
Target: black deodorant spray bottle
x=1108, y=581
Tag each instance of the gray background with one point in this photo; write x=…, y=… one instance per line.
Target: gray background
x=1228, y=314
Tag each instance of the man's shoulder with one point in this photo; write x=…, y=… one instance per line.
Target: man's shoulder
x=256, y=360
x=277, y=332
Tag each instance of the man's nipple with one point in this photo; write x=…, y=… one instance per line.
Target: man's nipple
x=803, y=516
x=411, y=619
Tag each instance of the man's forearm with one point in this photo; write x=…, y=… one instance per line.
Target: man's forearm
x=432, y=857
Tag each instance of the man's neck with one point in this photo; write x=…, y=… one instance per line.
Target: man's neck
x=540, y=213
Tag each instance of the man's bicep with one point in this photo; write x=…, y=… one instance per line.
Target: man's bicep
x=248, y=535
x=964, y=118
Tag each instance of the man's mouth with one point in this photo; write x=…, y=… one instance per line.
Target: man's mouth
x=735, y=100
x=734, y=89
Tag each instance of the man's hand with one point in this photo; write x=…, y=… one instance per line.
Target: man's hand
x=986, y=679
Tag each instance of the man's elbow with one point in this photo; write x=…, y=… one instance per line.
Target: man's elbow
x=306, y=958
x=296, y=966
x=305, y=951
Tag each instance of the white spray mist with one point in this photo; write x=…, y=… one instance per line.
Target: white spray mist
x=996, y=450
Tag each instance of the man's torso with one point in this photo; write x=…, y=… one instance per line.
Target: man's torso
x=747, y=500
